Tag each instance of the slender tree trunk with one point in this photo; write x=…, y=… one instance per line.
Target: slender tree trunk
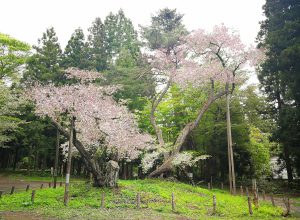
x=288, y=164
x=56, y=158
x=230, y=151
x=69, y=162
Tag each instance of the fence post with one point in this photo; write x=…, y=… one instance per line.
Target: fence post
x=32, y=196
x=211, y=182
x=60, y=184
x=173, y=202
x=138, y=200
x=272, y=199
x=250, y=206
x=222, y=186
x=42, y=186
x=1, y=192
x=50, y=185
x=247, y=192
x=12, y=190
x=242, y=191
x=102, y=200
x=214, y=204
x=27, y=187
x=208, y=186
x=264, y=195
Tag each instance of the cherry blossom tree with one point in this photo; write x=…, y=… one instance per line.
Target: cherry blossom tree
x=216, y=58
x=100, y=122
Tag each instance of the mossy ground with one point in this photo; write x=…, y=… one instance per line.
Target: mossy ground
x=120, y=203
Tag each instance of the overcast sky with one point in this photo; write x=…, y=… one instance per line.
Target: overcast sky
x=27, y=20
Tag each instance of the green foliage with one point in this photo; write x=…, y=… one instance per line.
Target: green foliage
x=96, y=43
x=76, y=51
x=13, y=55
x=165, y=30
x=120, y=36
x=191, y=202
x=44, y=65
x=280, y=76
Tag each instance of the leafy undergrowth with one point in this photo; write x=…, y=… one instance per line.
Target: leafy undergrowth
x=191, y=202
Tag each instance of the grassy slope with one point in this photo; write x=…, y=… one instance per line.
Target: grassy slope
x=191, y=202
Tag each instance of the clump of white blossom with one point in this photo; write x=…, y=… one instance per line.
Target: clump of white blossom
x=187, y=159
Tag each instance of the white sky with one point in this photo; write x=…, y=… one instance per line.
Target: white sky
x=26, y=20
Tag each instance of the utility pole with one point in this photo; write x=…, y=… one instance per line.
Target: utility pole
x=66, y=196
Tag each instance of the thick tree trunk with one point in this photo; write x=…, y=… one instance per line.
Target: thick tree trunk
x=167, y=165
x=90, y=163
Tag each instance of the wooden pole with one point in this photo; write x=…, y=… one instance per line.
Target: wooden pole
x=102, y=200
x=211, y=182
x=173, y=202
x=214, y=204
x=208, y=186
x=247, y=191
x=66, y=196
x=242, y=191
x=12, y=190
x=138, y=200
x=27, y=187
x=230, y=150
x=264, y=195
x=56, y=158
x=41, y=186
x=222, y=186
x=1, y=192
x=50, y=185
x=32, y=196
x=250, y=206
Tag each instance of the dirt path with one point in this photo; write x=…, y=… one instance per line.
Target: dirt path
x=20, y=184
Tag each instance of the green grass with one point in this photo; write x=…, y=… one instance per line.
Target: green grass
x=191, y=202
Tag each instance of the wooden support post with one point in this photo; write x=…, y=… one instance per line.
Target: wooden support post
x=173, y=202
x=27, y=187
x=214, y=204
x=222, y=186
x=138, y=200
x=42, y=186
x=50, y=185
x=1, y=192
x=264, y=195
x=102, y=200
x=12, y=190
x=211, y=182
x=242, y=191
x=247, y=192
x=66, y=196
x=272, y=200
x=250, y=206
x=208, y=186
x=60, y=184
x=32, y=196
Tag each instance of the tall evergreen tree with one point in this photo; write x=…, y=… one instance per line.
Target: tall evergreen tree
x=96, y=43
x=120, y=35
x=165, y=31
x=280, y=74
x=76, y=53
x=44, y=65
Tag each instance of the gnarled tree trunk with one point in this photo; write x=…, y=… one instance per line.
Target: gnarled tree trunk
x=99, y=176
x=167, y=164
